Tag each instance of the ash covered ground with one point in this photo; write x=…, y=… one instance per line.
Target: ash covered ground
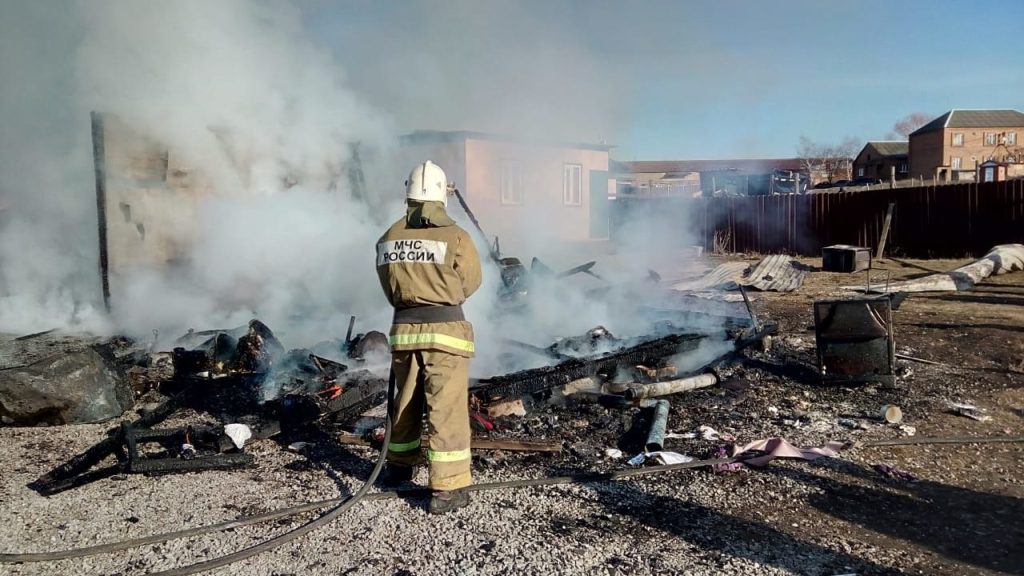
x=960, y=515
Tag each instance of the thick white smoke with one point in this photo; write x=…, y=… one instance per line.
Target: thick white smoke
x=238, y=94
x=245, y=94
x=47, y=226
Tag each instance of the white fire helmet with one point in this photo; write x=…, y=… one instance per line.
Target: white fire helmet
x=427, y=183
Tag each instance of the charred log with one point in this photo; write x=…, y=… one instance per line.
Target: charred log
x=538, y=380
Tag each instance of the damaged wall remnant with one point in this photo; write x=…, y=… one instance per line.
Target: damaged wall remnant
x=60, y=379
x=146, y=199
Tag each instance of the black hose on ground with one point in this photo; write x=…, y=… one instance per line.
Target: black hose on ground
x=327, y=518
x=943, y=440
x=409, y=492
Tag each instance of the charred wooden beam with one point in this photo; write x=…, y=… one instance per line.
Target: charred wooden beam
x=363, y=390
x=64, y=476
x=100, y=168
x=137, y=464
x=537, y=380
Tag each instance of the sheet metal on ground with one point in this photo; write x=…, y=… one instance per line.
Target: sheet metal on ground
x=776, y=273
x=725, y=276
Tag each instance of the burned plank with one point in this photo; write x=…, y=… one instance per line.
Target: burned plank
x=138, y=464
x=537, y=380
x=63, y=476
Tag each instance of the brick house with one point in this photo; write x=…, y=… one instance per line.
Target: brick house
x=879, y=159
x=523, y=191
x=951, y=147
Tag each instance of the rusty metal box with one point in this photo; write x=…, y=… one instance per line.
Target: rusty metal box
x=855, y=340
x=845, y=258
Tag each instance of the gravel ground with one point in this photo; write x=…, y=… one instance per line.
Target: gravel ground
x=828, y=517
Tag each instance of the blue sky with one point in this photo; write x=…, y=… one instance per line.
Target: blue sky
x=668, y=80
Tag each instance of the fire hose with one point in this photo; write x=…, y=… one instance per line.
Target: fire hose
x=323, y=520
x=343, y=504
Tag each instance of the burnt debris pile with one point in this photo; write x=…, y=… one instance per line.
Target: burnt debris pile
x=255, y=388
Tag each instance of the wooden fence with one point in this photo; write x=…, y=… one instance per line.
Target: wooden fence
x=948, y=221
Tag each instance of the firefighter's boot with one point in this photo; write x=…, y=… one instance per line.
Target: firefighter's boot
x=448, y=500
x=393, y=475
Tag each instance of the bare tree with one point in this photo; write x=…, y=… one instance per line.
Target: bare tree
x=827, y=161
x=903, y=128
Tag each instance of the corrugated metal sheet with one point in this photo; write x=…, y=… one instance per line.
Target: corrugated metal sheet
x=777, y=273
x=725, y=276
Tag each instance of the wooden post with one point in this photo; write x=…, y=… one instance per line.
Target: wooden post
x=99, y=166
x=885, y=231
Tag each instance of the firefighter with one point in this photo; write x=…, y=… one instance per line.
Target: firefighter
x=428, y=266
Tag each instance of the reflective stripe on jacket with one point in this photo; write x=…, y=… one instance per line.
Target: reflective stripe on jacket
x=425, y=259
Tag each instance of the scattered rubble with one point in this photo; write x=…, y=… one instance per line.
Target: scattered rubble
x=583, y=410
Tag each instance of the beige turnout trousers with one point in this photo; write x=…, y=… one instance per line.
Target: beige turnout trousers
x=438, y=381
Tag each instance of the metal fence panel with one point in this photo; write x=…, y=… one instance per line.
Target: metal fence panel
x=950, y=221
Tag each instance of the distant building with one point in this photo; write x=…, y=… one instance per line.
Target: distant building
x=879, y=159
x=523, y=190
x=954, y=145
x=690, y=178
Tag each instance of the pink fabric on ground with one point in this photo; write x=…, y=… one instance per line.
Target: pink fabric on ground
x=780, y=448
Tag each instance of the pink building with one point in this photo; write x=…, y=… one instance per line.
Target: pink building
x=528, y=193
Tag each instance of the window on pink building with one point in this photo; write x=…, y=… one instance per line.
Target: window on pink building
x=572, y=185
x=511, y=182
x=958, y=138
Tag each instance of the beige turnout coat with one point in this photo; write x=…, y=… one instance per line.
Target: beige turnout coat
x=425, y=259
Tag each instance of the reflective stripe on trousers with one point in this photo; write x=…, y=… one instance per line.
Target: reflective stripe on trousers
x=432, y=338
x=447, y=456
x=436, y=382
x=404, y=446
